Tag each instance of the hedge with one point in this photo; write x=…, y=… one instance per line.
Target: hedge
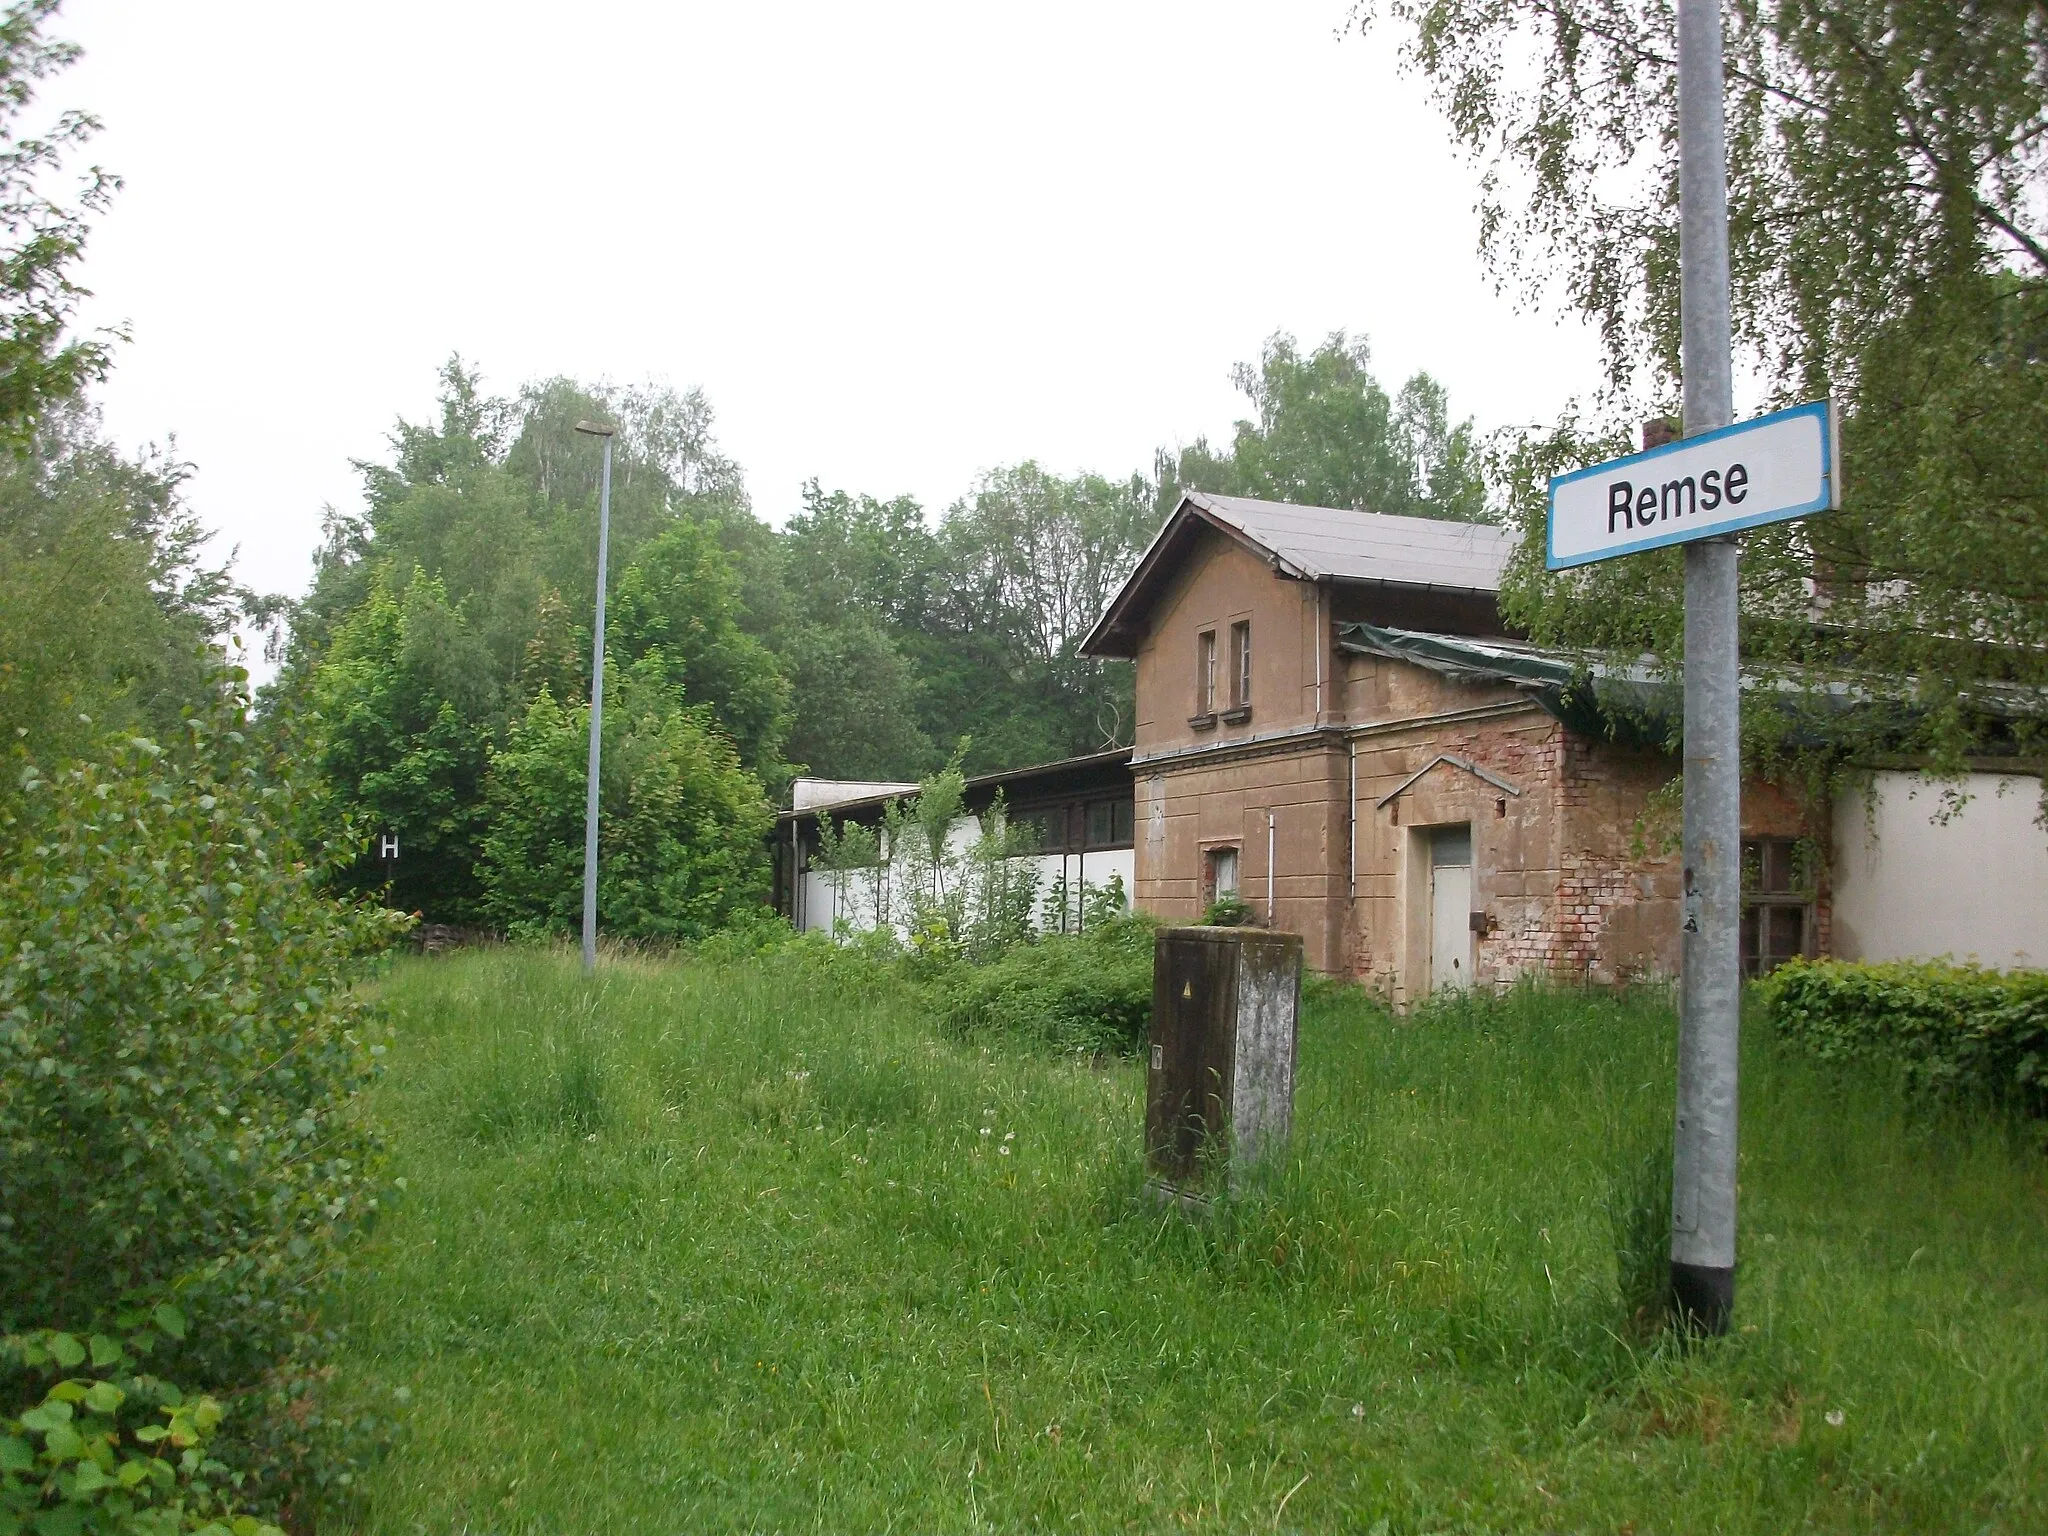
x=1952, y=1028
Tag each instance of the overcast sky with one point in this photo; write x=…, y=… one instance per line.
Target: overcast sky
x=895, y=244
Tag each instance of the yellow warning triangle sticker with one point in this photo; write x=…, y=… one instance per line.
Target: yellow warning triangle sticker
x=1187, y=989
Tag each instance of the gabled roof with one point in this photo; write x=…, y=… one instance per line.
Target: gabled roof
x=1308, y=544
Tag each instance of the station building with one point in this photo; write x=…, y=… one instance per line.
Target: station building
x=1335, y=725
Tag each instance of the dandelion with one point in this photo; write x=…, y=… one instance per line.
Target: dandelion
x=1004, y=1149
x=984, y=1130
x=1835, y=1416
x=1358, y=1410
x=1009, y=1135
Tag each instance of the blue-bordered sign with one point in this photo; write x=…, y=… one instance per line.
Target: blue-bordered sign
x=1780, y=466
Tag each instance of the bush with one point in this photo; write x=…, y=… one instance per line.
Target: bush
x=181, y=1058
x=1091, y=992
x=115, y=1451
x=1952, y=1028
x=1227, y=912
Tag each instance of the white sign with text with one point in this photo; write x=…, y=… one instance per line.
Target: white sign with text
x=1776, y=467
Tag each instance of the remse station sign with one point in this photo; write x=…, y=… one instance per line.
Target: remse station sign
x=1776, y=467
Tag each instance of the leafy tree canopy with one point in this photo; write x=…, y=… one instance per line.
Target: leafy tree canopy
x=42, y=235
x=1328, y=435
x=1888, y=204
x=108, y=609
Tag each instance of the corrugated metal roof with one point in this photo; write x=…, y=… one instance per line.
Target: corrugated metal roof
x=1346, y=545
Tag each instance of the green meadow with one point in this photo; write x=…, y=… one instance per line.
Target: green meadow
x=753, y=1247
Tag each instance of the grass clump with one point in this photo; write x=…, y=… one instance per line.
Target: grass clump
x=821, y=1266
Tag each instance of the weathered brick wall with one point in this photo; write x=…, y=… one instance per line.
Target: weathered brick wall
x=1514, y=823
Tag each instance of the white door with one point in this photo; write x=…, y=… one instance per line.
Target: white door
x=1450, y=926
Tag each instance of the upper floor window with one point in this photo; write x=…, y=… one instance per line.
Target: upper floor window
x=1205, y=673
x=1241, y=663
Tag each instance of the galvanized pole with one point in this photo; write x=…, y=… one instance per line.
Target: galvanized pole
x=1703, y=1163
x=604, y=533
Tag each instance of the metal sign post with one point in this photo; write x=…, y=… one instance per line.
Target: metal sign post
x=1699, y=492
x=1709, y=1020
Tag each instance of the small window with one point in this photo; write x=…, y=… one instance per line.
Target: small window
x=1205, y=673
x=1777, y=903
x=1047, y=828
x=1219, y=874
x=1109, y=824
x=1241, y=663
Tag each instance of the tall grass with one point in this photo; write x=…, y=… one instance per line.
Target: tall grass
x=752, y=1247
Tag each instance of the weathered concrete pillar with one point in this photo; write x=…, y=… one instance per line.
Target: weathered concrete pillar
x=1219, y=1089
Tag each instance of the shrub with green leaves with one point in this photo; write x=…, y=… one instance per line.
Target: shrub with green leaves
x=116, y=1452
x=181, y=1057
x=180, y=1053
x=1090, y=993
x=1951, y=1028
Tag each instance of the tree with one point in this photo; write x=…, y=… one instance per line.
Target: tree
x=41, y=361
x=406, y=698
x=109, y=616
x=682, y=827
x=1328, y=435
x=492, y=509
x=680, y=601
x=1888, y=161
x=854, y=713
x=1032, y=560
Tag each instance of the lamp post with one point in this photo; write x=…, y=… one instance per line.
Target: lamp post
x=604, y=532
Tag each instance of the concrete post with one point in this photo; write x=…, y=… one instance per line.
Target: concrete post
x=1219, y=1087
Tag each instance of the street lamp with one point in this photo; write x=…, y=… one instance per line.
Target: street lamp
x=604, y=533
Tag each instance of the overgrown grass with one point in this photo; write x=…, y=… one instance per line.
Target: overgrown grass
x=751, y=1247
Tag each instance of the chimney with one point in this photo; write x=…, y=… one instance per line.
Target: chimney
x=1659, y=430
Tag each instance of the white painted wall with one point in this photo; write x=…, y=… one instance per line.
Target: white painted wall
x=820, y=906
x=1908, y=886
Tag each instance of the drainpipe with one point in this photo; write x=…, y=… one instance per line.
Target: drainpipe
x=1319, y=652
x=1270, y=819
x=1351, y=837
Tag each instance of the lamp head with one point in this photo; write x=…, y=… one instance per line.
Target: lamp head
x=596, y=428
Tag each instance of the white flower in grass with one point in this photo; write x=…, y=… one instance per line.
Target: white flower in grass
x=1835, y=1416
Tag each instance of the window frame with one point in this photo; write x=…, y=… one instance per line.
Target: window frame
x=1240, y=663
x=1764, y=894
x=1212, y=885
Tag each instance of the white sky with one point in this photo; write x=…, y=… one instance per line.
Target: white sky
x=895, y=243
